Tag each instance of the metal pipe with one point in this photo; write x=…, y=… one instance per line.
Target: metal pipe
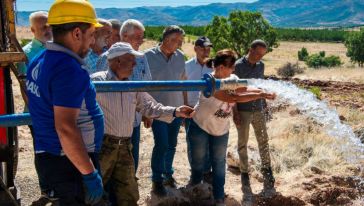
x=13, y=120
x=208, y=86
x=150, y=86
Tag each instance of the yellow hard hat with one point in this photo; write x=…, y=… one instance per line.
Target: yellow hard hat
x=72, y=11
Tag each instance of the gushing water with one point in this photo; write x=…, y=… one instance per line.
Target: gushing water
x=318, y=110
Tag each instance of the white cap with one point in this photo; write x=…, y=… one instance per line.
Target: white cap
x=121, y=48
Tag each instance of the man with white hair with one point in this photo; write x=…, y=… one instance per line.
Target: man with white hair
x=116, y=160
x=132, y=32
x=102, y=36
x=42, y=33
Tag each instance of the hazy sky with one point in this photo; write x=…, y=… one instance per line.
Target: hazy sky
x=32, y=5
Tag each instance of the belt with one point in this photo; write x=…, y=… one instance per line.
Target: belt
x=117, y=140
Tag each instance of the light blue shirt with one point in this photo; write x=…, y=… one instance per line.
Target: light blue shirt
x=141, y=70
x=31, y=50
x=195, y=71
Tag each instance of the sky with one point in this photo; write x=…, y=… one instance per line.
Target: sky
x=33, y=5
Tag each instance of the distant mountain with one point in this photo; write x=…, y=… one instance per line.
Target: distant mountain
x=280, y=13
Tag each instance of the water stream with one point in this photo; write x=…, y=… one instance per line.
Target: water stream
x=318, y=110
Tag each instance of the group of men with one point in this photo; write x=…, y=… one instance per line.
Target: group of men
x=85, y=143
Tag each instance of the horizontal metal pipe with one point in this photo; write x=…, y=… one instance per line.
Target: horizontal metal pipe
x=208, y=86
x=148, y=86
x=13, y=120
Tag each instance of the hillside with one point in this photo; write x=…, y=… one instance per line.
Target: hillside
x=281, y=13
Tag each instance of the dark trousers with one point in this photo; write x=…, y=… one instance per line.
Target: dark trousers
x=62, y=178
x=135, y=139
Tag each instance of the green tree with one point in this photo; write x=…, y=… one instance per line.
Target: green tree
x=355, y=45
x=238, y=30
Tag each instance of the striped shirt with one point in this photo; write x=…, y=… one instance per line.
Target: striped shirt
x=141, y=72
x=119, y=108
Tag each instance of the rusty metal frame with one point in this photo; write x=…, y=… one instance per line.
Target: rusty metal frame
x=11, y=52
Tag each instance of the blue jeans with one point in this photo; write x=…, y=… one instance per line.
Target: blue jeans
x=207, y=162
x=135, y=139
x=217, y=152
x=165, y=142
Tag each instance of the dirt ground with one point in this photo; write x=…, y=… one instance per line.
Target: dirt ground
x=308, y=183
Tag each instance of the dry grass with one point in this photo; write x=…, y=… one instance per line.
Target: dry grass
x=298, y=146
x=353, y=116
x=346, y=74
x=287, y=52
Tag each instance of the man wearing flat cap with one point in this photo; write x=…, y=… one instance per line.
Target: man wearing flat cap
x=116, y=160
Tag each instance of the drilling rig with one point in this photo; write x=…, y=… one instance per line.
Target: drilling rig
x=10, y=54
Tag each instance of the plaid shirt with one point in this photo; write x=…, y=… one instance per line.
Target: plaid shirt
x=141, y=70
x=102, y=63
x=90, y=61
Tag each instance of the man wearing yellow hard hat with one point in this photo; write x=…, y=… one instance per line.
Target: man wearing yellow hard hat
x=68, y=122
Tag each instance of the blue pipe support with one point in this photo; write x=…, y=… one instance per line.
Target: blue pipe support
x=208, y=85
x=13, y=120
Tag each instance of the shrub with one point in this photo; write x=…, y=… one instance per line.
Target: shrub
x=316, y=91
x=315, y=61
x=319, y=60
x=322, y=53
x=333, y=61
x=303, y=54
x=289, y=70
